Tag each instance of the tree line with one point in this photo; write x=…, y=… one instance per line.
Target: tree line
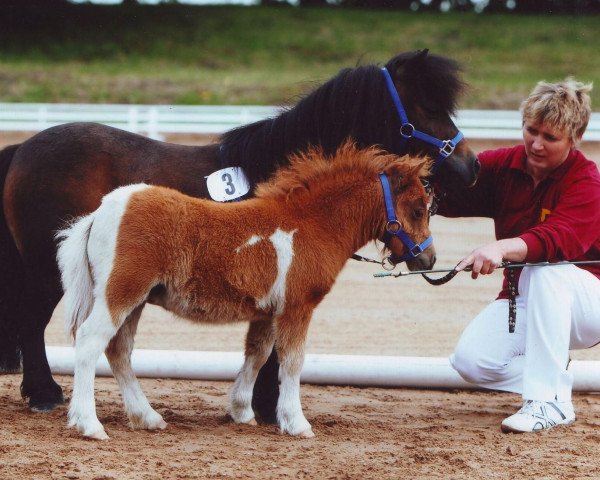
x=576, y=7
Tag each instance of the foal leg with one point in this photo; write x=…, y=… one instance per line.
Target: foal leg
x=92, y=339
x=291, y=333
x=259, y=342
x=137, y=407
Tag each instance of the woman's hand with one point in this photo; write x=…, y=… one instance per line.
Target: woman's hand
x=484, y=260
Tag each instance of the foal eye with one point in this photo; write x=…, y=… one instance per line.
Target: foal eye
x=418, y=213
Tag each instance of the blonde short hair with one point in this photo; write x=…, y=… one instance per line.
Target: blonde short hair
x=564, y=106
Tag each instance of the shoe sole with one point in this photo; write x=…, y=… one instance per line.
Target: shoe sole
x=508, y=429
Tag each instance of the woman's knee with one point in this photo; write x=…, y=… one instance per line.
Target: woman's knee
x=478, y=369
x=466, y=365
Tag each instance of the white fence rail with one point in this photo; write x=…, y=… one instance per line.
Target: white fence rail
x=158, y=120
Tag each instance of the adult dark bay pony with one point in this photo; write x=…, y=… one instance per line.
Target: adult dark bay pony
x=268, y=260
x=64, y=171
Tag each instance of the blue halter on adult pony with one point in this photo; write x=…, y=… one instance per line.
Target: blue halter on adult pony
x=408, y=131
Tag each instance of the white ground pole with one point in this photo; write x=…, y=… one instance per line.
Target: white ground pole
x=356, y=370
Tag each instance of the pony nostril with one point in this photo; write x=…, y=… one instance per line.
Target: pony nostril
x=433, y=259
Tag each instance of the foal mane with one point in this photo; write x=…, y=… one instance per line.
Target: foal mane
x=315, y=171
x=355, y=103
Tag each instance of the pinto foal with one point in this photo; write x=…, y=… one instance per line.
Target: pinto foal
x=268, y=260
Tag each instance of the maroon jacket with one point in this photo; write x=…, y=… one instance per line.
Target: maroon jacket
x=559, y=220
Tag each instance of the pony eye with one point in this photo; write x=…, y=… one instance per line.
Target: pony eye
x=418, y=213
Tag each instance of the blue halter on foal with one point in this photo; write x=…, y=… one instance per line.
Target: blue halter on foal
x=407, y=130
x=393, y=228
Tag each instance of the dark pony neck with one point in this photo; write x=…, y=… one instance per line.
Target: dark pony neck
x=354, y=104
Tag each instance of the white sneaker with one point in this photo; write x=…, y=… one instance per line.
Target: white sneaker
x=535, y=416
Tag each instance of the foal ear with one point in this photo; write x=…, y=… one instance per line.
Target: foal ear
x=405, y=177
x=423, y=168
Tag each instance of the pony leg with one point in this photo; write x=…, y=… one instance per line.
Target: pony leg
x=266, y=390
x=41, y=294
x=290, y=340
x=11, y=283
x=259, y=342
x=11, y=288
x=140, y=413
x=92, y=339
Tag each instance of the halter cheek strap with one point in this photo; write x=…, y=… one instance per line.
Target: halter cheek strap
x=407, y=130
x=393, y=228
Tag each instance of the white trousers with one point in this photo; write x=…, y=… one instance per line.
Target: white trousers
x=558, y=309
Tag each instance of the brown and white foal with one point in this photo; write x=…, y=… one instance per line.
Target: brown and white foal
x=268, y=260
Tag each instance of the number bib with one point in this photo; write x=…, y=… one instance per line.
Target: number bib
x=227, y=184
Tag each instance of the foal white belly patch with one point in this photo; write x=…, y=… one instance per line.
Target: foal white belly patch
x=227, y=184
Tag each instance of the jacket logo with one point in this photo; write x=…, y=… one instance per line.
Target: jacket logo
x=544, y=213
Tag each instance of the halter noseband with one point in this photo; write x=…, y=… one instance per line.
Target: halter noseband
x=393, y=228
x=407, y=130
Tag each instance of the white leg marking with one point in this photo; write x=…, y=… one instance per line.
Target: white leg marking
x=92, y=338
x=137, y=407
x=290, y=417
x=259, y=343
x=240, y=396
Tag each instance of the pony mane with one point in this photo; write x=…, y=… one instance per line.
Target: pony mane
x=313, y=170
x=355, y=103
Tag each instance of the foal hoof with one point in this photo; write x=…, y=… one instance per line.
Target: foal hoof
x=99, y=435
x=162, y=425
x=307, y=434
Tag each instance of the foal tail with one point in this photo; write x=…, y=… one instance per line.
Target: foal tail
x=75, y=270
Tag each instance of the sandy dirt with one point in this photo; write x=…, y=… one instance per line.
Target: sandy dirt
x=361, y=433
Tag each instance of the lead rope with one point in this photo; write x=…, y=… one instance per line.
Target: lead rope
x=512, y=300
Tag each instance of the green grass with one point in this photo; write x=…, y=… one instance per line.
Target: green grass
x=174, y=54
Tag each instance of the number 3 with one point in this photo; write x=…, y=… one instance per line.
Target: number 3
x=230, y=190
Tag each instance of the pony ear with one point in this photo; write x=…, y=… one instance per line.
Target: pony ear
x=418, y=59
x=407, y=64
x=421, y=54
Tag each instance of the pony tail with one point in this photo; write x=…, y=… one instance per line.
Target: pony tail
x=76, y=276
